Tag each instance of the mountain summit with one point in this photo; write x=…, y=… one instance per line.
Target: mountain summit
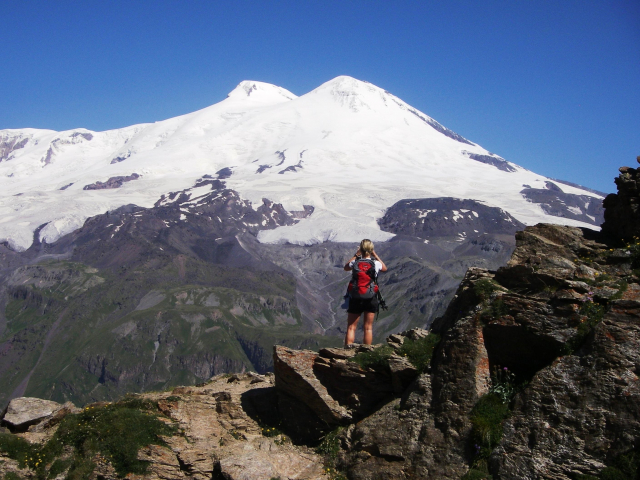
x=348, y=149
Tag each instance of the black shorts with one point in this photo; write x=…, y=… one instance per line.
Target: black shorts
x=359, y=305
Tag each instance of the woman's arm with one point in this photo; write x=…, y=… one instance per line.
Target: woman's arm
x=347, y=268
x=375, y=255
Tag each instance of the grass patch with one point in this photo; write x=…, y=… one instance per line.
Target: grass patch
x=498, y=308
x=378, y=358
x=419, y=352
x=486, y=419
x=623, y=467
x=484, y=287
x=18, y=449
x=634, y=248
x=593, y=314
x=622, y=287
x=12, y=476
x=495, y=309
x=115, y=431
x=330, y=448
x=59, y=466
x=475, y=474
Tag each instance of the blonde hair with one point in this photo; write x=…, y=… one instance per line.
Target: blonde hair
x=366, y=246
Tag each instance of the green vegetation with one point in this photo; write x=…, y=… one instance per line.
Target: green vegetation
x=634, y=248
x=115, y=432
x=12, y=476
x=492, y=307
x=498, y=308
x=378, y=358
x=271, y=431
x=625, y=466
x=419, y=352
x=503, y=384
x=475, y=474
x=217, y=318
x=486, y=419
x=484, y=287
x=20, y=450
x=330, y=448
x=622, y=287
x=593, y=314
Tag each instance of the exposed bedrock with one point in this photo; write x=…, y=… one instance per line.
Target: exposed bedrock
x=563, y=316
x=554, y=201
x=447, y=217
x=622, y=214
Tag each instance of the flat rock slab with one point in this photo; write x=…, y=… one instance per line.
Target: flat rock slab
x=25, y=411
x=294, y=376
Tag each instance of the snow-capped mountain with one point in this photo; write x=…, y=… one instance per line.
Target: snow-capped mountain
x=348, y=149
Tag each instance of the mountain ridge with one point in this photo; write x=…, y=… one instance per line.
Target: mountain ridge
x=295, y=151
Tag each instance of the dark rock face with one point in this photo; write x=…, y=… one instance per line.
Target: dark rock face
x=9, y=144
x=554, y=201
x=113, y=182
x=580, y=408
x=582, y=411
x=622, y=215
x=493, y=160
x=87, y=136
x=447, y=217
x=224, y=173
x=121, y=158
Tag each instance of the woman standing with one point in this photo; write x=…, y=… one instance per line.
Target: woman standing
x=363, y=299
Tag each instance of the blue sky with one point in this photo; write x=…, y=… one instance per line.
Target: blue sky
x=553, y=86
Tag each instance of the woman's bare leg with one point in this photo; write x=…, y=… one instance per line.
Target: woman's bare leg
x=352, y=324
x=368, y=327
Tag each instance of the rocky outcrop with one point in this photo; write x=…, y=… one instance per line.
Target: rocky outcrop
x=430, y=218
x=113, y=182
x=34, y=414
x=622, y=214
x=581, y=412
x=493, y=160
x=10, y=143
x=554, y=201
x=222, y=430
x=295, y=380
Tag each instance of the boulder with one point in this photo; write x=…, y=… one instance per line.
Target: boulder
x=295, y=377
x=23, y=412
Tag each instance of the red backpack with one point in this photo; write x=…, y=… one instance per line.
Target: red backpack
x=363, y=279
